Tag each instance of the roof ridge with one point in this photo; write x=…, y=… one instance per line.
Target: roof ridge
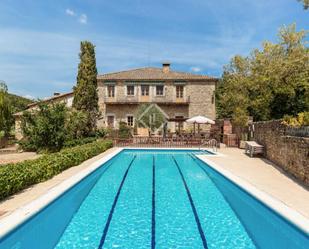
x=189, y=73
x=143, y=73
x=128, y=70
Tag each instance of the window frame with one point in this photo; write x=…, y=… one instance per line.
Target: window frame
x=108, y=91
x=157, y=90
x=127, y=90
x=127, y=120
x=143, y=87
x=180, y=94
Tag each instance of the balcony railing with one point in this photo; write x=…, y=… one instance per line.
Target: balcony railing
x=146, y=99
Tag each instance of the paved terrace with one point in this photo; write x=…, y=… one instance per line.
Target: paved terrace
x=265, y=176
x=257, y=171
x=16, y=157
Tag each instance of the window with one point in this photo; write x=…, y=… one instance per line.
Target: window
x=145, y=90
x=159, y=90
x=130, y=90
x=111, y=91
x=179, y=91
x=110, y=121
x=130, y=121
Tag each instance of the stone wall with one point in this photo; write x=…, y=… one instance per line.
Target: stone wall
x=288, y=152
x=202, y=100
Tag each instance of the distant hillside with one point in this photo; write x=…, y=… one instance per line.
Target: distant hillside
x=19, y=103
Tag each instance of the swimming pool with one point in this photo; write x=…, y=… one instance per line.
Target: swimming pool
x=155, y=199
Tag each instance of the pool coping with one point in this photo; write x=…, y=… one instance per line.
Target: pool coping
x=22, y=214
x=215, y=153
x=291, y=215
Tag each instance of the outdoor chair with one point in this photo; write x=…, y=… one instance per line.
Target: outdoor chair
x=253, y=148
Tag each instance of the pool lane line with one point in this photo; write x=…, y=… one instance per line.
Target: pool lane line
x=197, y=219
x=153, y=218
x=110, y=216
x=196, y=161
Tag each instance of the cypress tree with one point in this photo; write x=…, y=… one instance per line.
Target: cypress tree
x=85, y=92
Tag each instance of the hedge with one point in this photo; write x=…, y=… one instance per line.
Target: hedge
x=81, y=141
x=15, y=177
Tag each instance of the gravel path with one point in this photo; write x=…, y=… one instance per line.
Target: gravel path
x=17, y=157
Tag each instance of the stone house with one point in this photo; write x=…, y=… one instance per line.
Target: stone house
x=66, y=98
x=176, y=95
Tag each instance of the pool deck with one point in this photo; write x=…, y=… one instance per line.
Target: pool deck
x=265, y=176
x=258, y=172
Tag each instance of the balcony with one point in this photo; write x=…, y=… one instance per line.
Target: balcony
x=163, y=100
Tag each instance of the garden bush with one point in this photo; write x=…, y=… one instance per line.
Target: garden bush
x=18, y=176
x=44, y=129
x=81, y=141
x=124, y=131
x=302, y=119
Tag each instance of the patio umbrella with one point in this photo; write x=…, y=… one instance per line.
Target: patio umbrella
x=200, y=120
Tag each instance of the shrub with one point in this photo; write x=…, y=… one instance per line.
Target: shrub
x=124, y=130
x=302, y=119
x=75, y=142
x=76, y=125
x=102, y=132
x=18, y=176
x=44, y=128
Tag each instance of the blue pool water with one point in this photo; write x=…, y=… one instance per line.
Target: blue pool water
x=155, y=199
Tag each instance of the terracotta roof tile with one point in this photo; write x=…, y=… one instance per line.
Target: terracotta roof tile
x=152, y=73
x=51, y=98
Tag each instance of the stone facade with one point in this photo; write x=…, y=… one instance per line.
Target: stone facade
x=290, y=153
x=198, y=94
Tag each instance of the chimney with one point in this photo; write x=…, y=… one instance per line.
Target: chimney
x=56, y=94
x=166, y=67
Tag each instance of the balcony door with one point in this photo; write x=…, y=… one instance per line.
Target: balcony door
x=145, y=93
x=110, y=121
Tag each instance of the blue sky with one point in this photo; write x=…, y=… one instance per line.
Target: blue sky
x=39, y=40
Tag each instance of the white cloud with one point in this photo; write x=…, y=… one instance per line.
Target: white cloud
x=83, y=18
x=28, y=56
x=195, y=69
x=28, y=96
x=70, y=12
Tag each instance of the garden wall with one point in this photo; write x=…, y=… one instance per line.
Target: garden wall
x=291, y=153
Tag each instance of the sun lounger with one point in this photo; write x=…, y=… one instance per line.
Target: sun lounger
x=253, y=148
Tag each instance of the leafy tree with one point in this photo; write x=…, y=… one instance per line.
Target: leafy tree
x=232, y=93
x=305, y=3
x=302, y=119
x=44, y=129
x=269, y=83
x=85, y=92
x=6, y=118
x=76, y=125
x=18, y=103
